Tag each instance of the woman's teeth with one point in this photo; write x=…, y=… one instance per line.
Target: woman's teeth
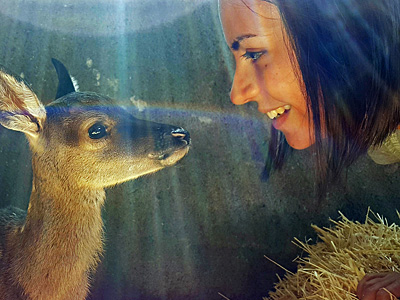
x=276, y=113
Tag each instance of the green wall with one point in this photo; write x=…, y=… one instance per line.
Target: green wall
x=202, y=227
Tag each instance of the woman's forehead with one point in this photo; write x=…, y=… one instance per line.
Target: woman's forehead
x=251, y=10
x=248, y=17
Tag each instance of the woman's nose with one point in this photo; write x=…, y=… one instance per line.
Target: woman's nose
x=244, y=88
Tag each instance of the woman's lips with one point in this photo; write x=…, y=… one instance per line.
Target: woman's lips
x=279, y=115
x=278, y=122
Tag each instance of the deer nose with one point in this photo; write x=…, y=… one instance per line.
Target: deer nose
x=181, y=134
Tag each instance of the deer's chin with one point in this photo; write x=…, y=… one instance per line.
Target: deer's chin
x=174, y=157
x=157, y=163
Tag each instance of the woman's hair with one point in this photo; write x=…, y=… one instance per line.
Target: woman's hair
x=348, y=52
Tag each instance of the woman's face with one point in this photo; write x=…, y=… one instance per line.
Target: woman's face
x=265, y=72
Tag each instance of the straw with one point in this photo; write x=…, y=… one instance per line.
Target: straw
x=335, y=265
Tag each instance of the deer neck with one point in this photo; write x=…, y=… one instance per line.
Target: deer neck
x=61, y=238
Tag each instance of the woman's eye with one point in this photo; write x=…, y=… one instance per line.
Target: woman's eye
x=254, y=56
x=97, y=131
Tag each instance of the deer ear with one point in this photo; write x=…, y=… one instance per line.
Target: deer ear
x=65, y=83
x=20, y=109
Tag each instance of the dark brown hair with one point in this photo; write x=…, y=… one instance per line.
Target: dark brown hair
x=348, y=52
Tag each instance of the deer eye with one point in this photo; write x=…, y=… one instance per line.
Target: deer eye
x=97, y=131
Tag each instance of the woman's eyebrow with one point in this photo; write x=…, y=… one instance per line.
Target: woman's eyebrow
x=236, y=43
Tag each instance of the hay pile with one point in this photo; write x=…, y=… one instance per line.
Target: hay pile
x=335, y=265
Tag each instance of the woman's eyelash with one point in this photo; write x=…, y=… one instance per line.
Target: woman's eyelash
x=254, y=56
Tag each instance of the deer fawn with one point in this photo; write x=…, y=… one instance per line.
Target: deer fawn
x=81, y=143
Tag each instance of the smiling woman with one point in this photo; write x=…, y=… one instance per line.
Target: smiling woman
x=326, y=73
x=264, y=71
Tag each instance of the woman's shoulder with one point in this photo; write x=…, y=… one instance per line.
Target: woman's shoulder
x=389, y=151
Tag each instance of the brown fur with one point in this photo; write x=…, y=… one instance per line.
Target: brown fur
x=51, y=253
